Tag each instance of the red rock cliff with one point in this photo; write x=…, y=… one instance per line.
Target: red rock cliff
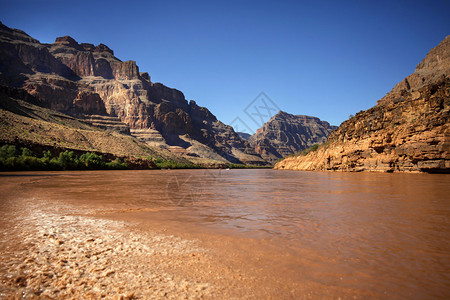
x=407, y=131
x=87, y=79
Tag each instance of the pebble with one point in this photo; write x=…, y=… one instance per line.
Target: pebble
x=83, y=257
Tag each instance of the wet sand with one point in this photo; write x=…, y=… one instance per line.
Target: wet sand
x=57, y=243
x=82, y=257
x=52, y=253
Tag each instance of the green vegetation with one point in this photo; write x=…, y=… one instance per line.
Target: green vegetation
x=171, y=164
x=11, y=159
x=23, y=159
x=237, y=166
x=312, y=149
x=281, y=158
x=305, y=152
x=242, y=166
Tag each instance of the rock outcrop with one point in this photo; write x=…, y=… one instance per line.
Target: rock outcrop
x=433, y=68
x=24, y=124
x=285, y=134
x=407, y=131
x=84, y=79
x=244, y=135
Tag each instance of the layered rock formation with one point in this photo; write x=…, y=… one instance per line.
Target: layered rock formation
x=407, y=131
x=286, y=134
x=24, y=124
x=433, y=68
x=244, y=135
x=84, y=79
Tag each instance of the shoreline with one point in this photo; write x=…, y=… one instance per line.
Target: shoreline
x=67, y=256
x=71, y=252
x=92, y=234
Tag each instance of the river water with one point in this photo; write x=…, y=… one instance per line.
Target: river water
x=362, y=235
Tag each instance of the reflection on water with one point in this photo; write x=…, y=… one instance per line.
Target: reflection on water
x=389, y=232
x=392, y=227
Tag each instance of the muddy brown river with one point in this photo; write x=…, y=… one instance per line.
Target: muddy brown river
x=224, y=234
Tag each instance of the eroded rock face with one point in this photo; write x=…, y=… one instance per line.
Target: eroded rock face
x=286, y=134
x=244, y=135
x=433, y=68
x=22, y=56
x=88, y=102
x=407, y=131
x=84, y=79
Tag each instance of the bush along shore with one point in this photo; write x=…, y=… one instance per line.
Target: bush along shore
x=304, y=152
x=16, y=158
x=13, y=158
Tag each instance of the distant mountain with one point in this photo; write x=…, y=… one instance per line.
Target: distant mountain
x=88, y=82
x=244, y=135
x=407, y=131
x=286, y=134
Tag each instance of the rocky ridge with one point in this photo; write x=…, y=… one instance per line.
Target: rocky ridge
x=25, y=124
x=407, y=131
x=82, y=79
x=433, y=68
x=285, y=134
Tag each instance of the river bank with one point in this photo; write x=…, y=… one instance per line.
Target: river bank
x=191, y=234
x=47, y=253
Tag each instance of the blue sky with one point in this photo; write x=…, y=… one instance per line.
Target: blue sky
x=327, y=59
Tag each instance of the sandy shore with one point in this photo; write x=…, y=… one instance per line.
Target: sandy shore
x=89, y=235
x=62, y=256
x=48, y=252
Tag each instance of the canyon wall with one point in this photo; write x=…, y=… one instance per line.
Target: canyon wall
x=407, y=131
x=83, y=80
x=286, y=134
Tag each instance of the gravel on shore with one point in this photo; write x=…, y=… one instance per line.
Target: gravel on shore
x=56, y=256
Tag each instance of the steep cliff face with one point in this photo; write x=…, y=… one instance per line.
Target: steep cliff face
x=84, y=79
x=286, y=134
x=433, y=68
x=407, y=131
